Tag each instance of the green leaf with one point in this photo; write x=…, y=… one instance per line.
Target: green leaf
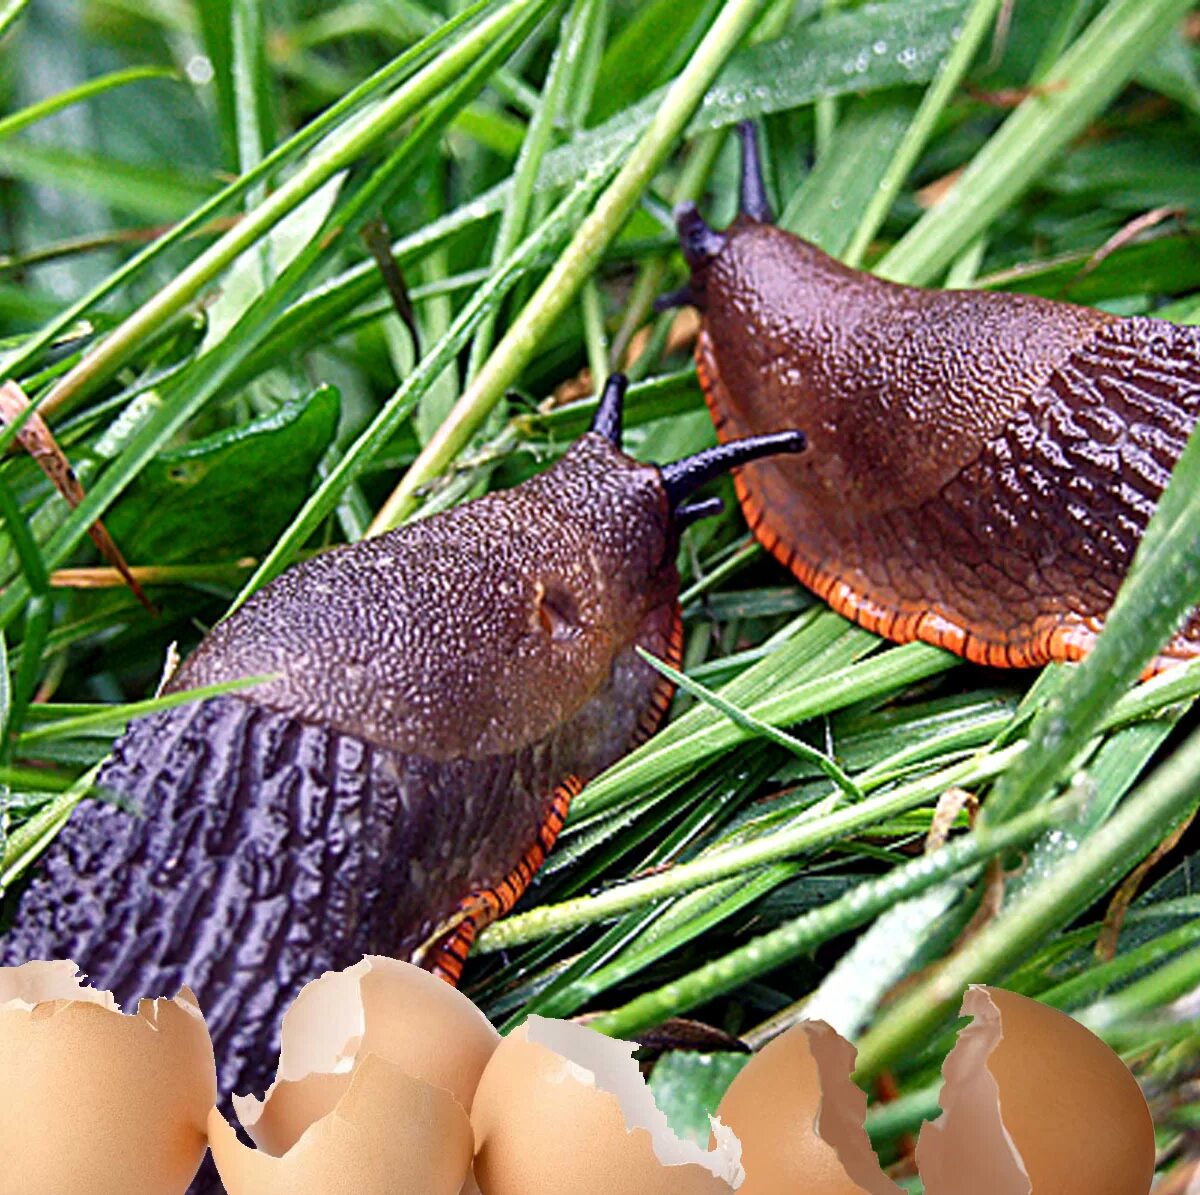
x=192, y=502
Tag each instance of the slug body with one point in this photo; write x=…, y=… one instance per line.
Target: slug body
x=437, y=694
x=983, y=465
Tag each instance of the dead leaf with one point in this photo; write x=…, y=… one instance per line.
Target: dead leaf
x=37, y=439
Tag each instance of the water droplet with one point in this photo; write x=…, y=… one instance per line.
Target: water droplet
x=199, y=69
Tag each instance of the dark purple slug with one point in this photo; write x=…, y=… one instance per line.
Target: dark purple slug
x=439, y=694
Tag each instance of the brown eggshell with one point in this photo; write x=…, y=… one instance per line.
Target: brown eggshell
x=94, y=1100
x=388, y=1134
x=1035, y=1104
x=289, y=1107
x=799, y=1117
x=381, y=1006
x=561, y=1109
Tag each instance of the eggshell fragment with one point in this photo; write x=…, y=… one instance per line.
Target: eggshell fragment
x=387, y=1134
x=799, y=1117
x=561, y=1109
x=1035, y=1104
x=92, y=1099
x=381, y=1006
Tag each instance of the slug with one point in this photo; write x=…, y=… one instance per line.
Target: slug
x=982, y=465
x=436, y=696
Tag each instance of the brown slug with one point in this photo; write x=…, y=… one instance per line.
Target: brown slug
x=438, y=693
x=982, y=465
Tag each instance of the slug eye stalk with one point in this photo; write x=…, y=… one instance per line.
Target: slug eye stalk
x=700, y=242
x=684, y=477
x=611, y=411
x=752, y=196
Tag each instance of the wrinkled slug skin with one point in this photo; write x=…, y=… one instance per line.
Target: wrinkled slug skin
x=433, y=686
x=981, y=465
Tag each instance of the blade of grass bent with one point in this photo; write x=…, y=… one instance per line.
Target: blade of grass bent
x=755, y=726
x=872, y=678
x=77, y=95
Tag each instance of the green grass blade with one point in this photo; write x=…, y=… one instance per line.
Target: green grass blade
x=885, y=673
x=10, y=11
x=979, y=19
x=1165, y=800
x=561, y=79
x=805, y=933
x=1086, y=78
x=331, y=119
x=567, y=276
x=77, y=95
x=755, y=726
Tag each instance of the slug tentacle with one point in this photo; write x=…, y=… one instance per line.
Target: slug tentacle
x=692, y=512
x=683, y=297
x=753, y=202
x=701, y=244
x=683, y=478
x=610, y=412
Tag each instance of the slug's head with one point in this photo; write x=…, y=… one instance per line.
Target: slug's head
x=753, y=260
x=703, y=246
x=630, y=514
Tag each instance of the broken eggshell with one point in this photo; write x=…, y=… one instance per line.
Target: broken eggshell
x=561, y=1108
x=96, y=1100
x=381, y=1006
x=386, y=1134
x=799, y=1117
x=1035, y=1104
